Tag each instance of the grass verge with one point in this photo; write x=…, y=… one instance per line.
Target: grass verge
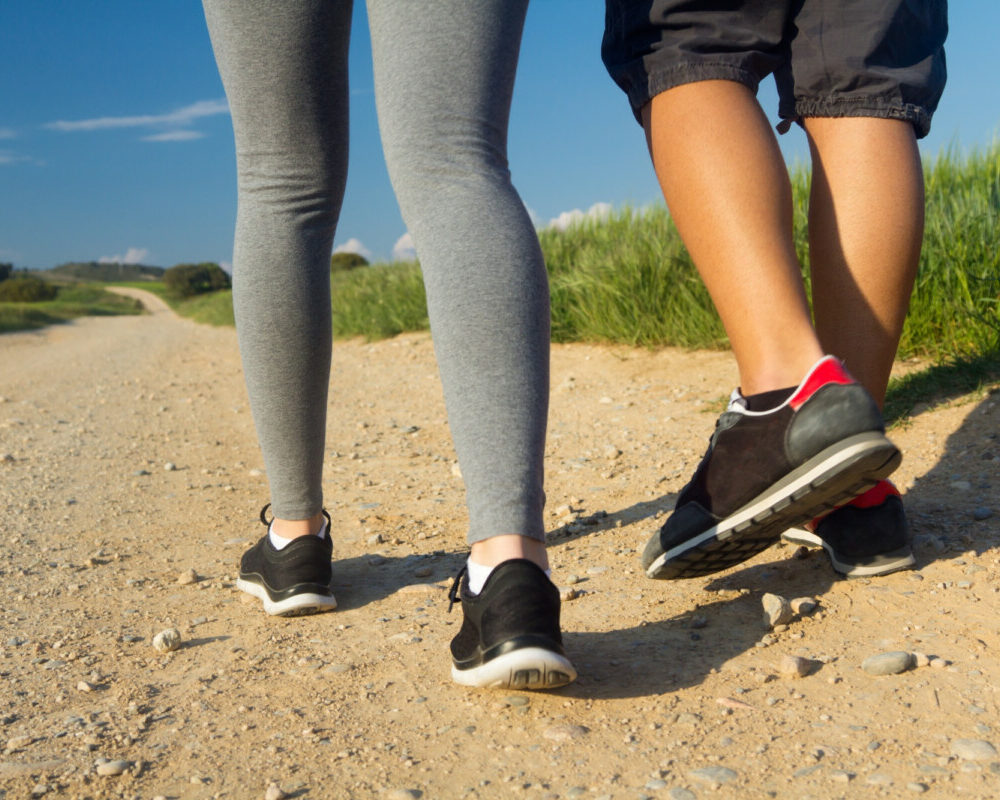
x=74, y=300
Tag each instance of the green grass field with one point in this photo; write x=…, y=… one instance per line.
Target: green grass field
x=75, y=300
x=628, y=280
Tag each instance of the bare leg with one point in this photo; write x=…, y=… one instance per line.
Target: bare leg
x=866, y=218
x=727, y=188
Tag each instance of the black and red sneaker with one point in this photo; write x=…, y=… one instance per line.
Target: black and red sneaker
x=293, y=581
x=510, y=635
x=868, y=536
x=767, y=471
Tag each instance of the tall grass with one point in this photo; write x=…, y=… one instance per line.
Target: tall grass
x=628, y=279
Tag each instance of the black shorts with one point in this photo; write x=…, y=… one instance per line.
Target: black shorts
x=830, y=58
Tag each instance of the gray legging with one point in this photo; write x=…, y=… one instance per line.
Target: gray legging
x=444, y=74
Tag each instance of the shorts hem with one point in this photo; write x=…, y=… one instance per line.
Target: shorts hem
x=874, y=107
x=644, y=90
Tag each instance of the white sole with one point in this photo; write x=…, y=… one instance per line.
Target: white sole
x=884, y=565
x=767, y=510
x=295, y=606
x=526, y=668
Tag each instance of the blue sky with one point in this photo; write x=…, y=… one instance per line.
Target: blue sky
x=115, y=142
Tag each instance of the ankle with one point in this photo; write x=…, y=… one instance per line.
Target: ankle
x=294, y=528
x=497, y=549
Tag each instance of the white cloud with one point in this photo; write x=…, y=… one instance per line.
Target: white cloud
x=404, y=250
x=174, y=119
x=596, y=213
x=7, y=158
x=354, y=246
x=134, y=255
x=174, y=136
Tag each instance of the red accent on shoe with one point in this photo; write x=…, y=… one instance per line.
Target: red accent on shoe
x=828, y=370
x=875, y=496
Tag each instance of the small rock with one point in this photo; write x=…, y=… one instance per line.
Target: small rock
x=18, y=742
x=563, y=733
x=921, y=659
x=456, y=470
x=973, y=750
x=656, y=784
x=938, y=663
x=888, y=663
x=803, y=606
x=423, y=572
x=568, y=593
x=167, y=641
x=981, y=513
x=572, y=580
x=404, y=794
x=680, y=793
x=516, y=700
x=841, y=776
x=713, y=776
x=170, y=466
x=187, y=577
x=84, y=686
x=109, y=768
x=795, y=666
x=777, y=610
x=917, y=788
x=962, y=486
x=375, y=538
x=274, y=792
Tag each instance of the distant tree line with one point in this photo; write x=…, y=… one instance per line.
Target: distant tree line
x=188, y=280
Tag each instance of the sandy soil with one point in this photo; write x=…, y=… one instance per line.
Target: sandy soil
x=130, y=483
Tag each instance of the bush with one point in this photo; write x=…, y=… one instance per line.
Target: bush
x=341, y=262
x=26, y=290
x=5, y=270
x=188, y=280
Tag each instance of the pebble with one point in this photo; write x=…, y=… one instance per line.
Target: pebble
x=777, y=610
x=804, y=606
x=170, y=466
x=841, y=776
x=17, y=742
x=187, y=577
x=167, y=641
x=918, y=788
x=938, y=663
x=568, y=593
x=597, y=570
x=516, y=700
x=404, y=794
x=423, y=572
x=274, y=792
x=713, y=776
x=973, y=749
x=84, y=686
x=109, y=768
x=456, y=470
x=879, y=779
x=656, y=784
x=563, y=733
x=572, y=580
x=921, y=659
x=888, y=663
x=981, y=513
x=795, y=666
x=680, y=793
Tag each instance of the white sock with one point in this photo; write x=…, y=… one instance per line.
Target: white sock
x=280, y=542
x=479, y=573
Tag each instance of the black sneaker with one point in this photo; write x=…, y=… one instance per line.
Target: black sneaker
x=510, y=636
x=869, y=536
x=767, y=471
x=292, y=581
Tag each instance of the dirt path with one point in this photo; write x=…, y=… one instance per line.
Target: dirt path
x=127, y=460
